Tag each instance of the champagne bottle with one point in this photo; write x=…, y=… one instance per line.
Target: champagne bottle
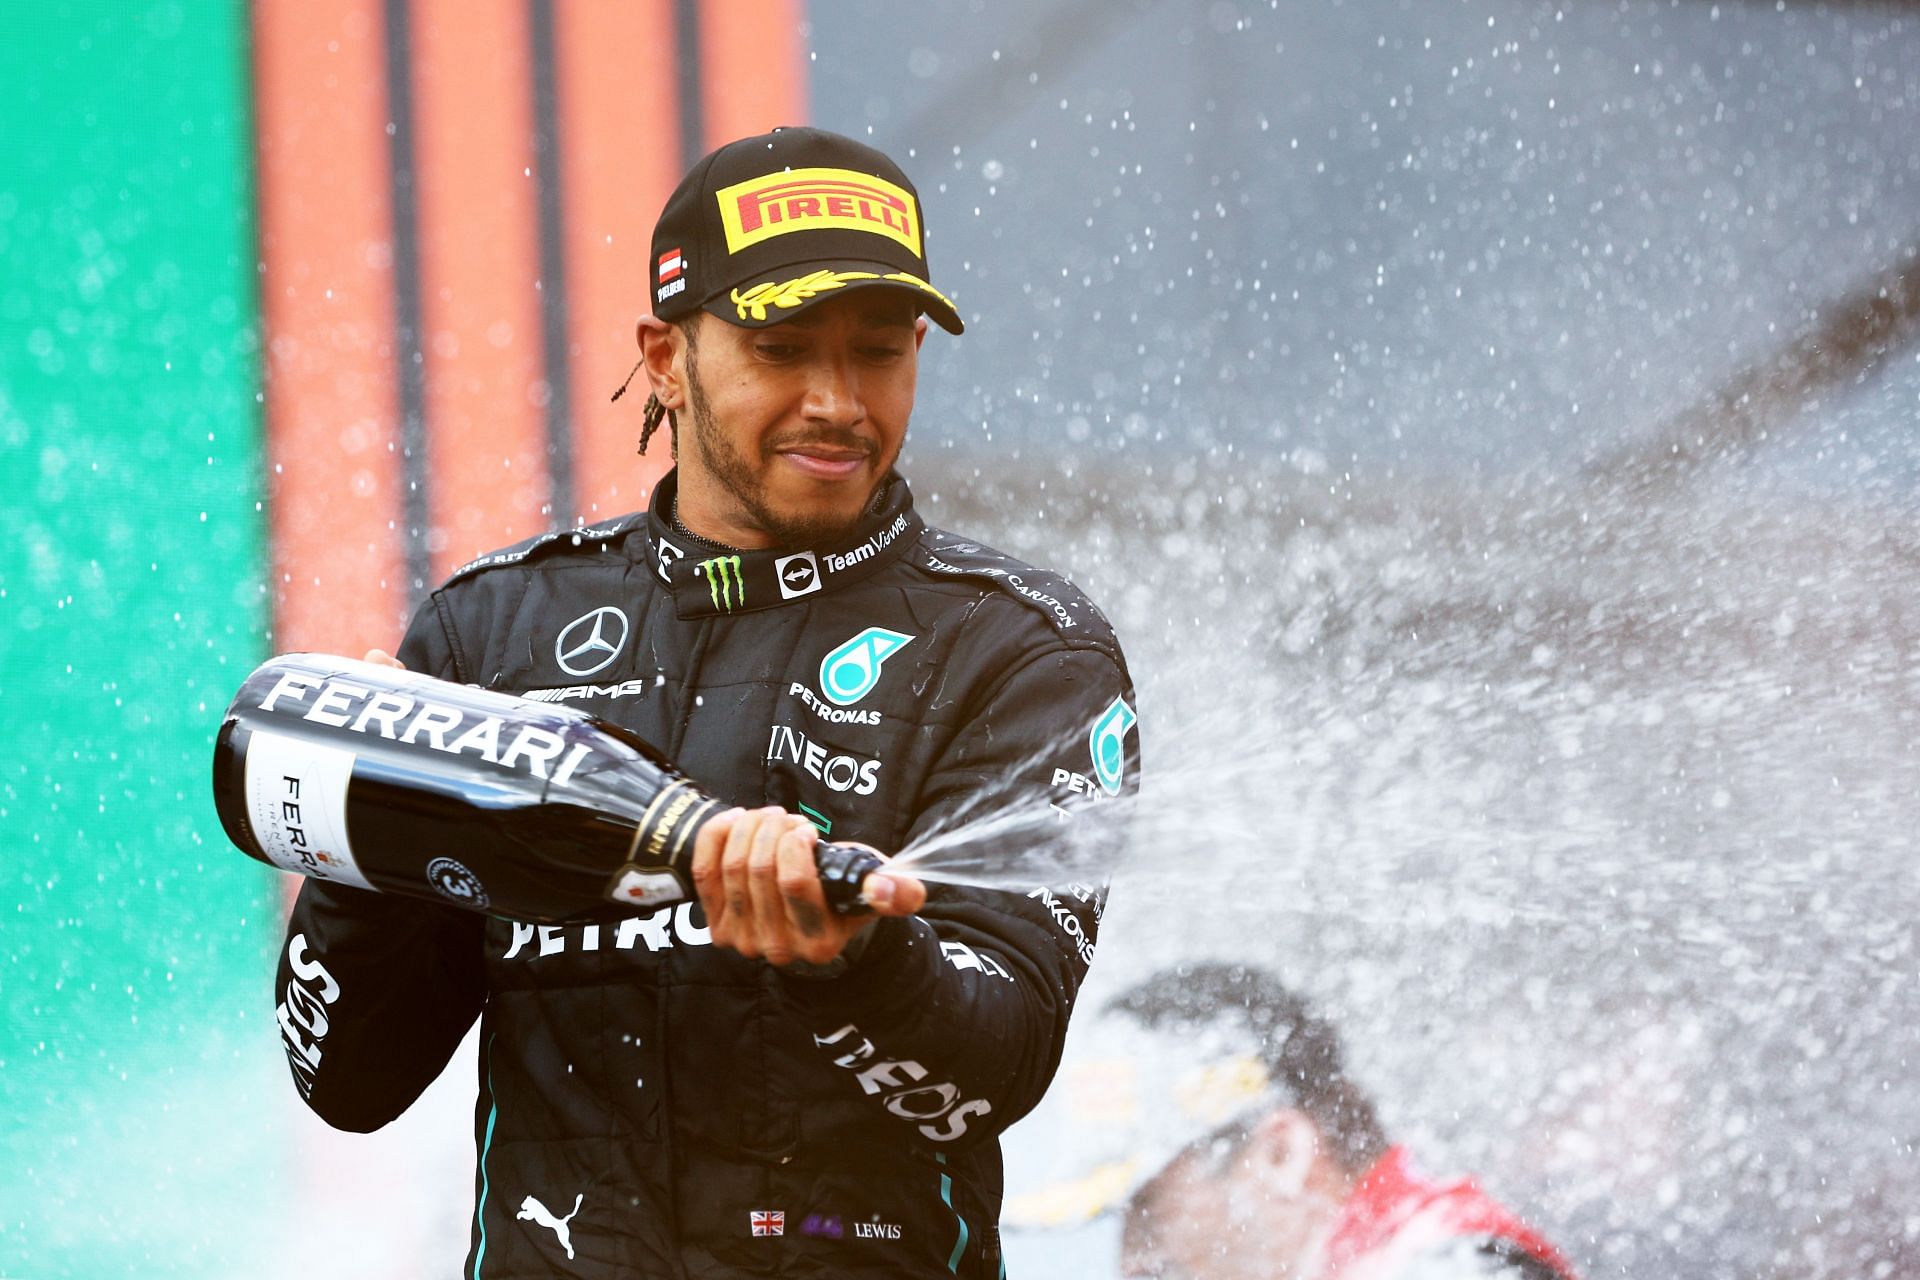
x=394, y=781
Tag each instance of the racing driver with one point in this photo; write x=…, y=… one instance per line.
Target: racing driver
x=750, y=1084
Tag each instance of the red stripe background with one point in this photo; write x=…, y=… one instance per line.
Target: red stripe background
x=326, y=221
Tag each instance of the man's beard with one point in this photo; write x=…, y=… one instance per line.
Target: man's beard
x=747, y=485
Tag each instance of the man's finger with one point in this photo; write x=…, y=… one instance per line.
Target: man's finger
x=735, y=873
x=762, y=886
x=799, y=879
x=708, y=883
x=380, y=657
x=893, y=893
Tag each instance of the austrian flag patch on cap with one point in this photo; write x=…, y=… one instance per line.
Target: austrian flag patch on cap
x=667, y=272
x=779, y=221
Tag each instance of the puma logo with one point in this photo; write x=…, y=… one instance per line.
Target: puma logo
x=531, y=1208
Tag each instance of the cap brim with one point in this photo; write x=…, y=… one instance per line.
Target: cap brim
x=795, y=288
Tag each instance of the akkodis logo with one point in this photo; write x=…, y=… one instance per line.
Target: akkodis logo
x=1107, y=742
x=849, y=673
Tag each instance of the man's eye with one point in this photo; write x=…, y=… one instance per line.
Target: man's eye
x=889, y=352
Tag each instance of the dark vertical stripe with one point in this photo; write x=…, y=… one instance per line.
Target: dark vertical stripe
x=686, y=48
x=410, y=356
x=553, y=267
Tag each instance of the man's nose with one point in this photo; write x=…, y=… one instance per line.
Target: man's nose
x=833, y=392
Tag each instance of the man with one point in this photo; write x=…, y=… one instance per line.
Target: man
x=1303, y=1183
x=753, y=1085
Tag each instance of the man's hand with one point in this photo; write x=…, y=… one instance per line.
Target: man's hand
x=381, y=658
x=757, y=881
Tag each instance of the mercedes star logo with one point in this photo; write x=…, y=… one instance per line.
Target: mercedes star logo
x=591, y=641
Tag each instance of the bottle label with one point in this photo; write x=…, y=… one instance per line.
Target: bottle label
x=636, y=888
x=297, y=799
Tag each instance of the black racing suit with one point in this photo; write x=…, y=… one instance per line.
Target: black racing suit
x=650, y=1105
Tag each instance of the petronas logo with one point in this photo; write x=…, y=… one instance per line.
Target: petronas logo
x=849, y=673
x=1107, y=741
x=725, y=583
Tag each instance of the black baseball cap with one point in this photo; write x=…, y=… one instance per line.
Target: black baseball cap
x=763, y=228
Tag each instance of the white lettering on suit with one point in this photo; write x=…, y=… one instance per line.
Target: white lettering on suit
x=303, y=1013
x=657, y=930
x=899, y=1083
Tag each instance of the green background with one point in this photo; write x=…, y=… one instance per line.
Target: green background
x=134, y=942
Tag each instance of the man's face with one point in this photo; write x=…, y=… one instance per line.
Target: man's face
x=1221, y=1212
x=790, y=429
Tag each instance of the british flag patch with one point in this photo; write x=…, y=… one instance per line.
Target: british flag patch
x=766, y=1223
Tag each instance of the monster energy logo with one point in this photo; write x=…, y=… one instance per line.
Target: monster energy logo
x=725, y=583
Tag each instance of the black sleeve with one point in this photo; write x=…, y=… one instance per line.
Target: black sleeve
x=953, y=1020
x=374, y=992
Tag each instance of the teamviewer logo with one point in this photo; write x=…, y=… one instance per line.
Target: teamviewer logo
x=799, y=575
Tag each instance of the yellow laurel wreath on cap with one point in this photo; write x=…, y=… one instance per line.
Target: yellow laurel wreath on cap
x=787, y=294
x=791, y=293
x=918, y=283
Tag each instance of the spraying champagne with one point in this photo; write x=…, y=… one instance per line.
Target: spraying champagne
x=389, y=780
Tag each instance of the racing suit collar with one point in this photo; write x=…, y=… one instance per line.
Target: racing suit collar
x=707, y=580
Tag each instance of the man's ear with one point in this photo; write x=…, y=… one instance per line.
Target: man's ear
x=660, y=345
x=1283, y=1150
x=920, y=327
